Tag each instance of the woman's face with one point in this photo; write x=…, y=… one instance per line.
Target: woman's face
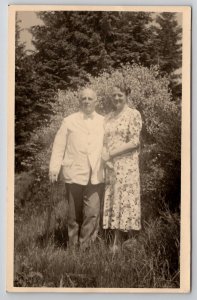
x=118, y=99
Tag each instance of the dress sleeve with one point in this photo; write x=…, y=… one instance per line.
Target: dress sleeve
x=135, y=126
x=59, y=148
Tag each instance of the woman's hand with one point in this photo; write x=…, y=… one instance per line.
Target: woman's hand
x=105, y=155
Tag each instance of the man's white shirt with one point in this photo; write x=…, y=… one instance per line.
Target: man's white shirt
x=77, y=148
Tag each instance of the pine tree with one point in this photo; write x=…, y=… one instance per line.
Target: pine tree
x=29, y=111
x=67, y=49
x=167, y=48
x=22, y=92
x=71, y=45
x=130, y=39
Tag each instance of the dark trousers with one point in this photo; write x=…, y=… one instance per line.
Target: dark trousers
x=83, y=212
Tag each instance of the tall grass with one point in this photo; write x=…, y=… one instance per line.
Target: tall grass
x=148, y=259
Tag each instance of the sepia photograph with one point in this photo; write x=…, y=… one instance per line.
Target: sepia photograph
x=99, y=149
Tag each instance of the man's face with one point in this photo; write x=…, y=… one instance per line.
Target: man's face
x=88, y=101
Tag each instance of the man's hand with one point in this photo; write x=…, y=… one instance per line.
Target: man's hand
x=105, y=155
x=53, y=176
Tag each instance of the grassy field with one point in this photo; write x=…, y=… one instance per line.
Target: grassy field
x=150, y=259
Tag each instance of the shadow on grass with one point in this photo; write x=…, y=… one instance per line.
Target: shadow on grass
x=59, y=237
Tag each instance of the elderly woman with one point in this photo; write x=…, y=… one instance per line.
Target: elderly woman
x=121, y=211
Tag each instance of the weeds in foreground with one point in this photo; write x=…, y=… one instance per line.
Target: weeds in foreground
x=150, y=259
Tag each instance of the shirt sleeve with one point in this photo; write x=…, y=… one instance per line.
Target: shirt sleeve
x=106, y=119
x=58, y=149
x=135, y=126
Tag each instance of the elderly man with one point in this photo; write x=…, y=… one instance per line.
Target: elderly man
x=77, y=148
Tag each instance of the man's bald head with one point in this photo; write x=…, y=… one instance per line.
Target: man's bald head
x=88, y=100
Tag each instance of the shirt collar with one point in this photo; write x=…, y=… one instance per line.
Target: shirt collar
x=90, y=116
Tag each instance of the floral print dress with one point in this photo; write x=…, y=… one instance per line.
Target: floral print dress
x=122, y=191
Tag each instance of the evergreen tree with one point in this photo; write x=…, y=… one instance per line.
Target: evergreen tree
x=130, y=39
x=29, y=111
x=22, y=92
x=167, y=48
x=67, y=49
x=71, y=45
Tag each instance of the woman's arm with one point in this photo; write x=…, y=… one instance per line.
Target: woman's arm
x=135, y=126
x=127, y=147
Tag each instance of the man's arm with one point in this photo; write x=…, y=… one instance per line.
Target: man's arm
x=58, y=151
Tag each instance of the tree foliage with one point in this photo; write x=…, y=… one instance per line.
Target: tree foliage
x=25, y=113
x=31, y=111
x=167, y=49
x=71, y=45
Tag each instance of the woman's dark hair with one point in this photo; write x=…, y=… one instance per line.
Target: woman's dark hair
x=123, y=88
